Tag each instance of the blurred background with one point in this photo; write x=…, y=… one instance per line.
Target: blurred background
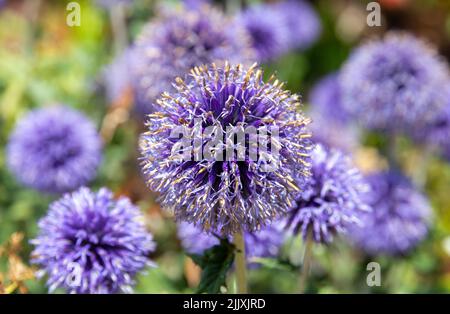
x=44, y=61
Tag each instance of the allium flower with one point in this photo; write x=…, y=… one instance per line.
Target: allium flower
x=238, y=193
x=332, y=125
x=302, y=22
x=267, y=29
x=91, y=243
x=333, y=199
x=54, y=149
x=264, y=243
x=176, y=41
x=399, y=218
x=394, y=84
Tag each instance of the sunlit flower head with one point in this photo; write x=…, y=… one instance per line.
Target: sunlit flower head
x=225, y=190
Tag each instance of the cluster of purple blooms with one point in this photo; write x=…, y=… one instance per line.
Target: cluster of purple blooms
x=91, y=243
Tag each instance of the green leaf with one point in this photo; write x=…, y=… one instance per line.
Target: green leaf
x=215, y=263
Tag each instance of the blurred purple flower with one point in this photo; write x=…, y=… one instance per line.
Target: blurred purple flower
x=54, y=149
x=267, y=29
x=230, y=195
x=333, y=199
x=302, y=22
x=436, y=133
x=399, y=218
x=91, y=243
x=264, y=243
x=176, y=41
x=397, y=83
x=331, y=125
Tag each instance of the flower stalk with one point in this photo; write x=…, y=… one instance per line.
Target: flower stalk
x=240, y=262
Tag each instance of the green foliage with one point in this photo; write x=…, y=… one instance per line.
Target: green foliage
x=215, y=264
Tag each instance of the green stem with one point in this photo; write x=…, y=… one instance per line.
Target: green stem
x=240, y=262
x=307, y=259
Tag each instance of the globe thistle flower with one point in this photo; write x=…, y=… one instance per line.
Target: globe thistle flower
x=264, y=243
x=332, y=125
x=54, y=149
x=302, y=22
x=333, y=199
x=399, y=218
x=396, y=83
x=91, y=243
x=267, y=29
x=176, y=41
x=236, y=193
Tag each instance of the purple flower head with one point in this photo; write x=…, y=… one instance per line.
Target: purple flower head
x=332, y=125
x=267, y=29
x=333, y=199
x=227, y=191
x=302, y=22
x=396, y=83
x=91, y=243
x=436, y=133
x=177, y=41
x=264, y=243
x=54, y=149
x=399, y=218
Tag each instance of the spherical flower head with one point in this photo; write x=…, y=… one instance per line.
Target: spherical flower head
x=333, y=199
x=54, y=149
x=399, y=219
x=332, y=124
x=176, y=41
x=240, y=185
x=302, y=22
x=396, y=83
x=267, y=29
x=91, y=243
x=263, y=243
